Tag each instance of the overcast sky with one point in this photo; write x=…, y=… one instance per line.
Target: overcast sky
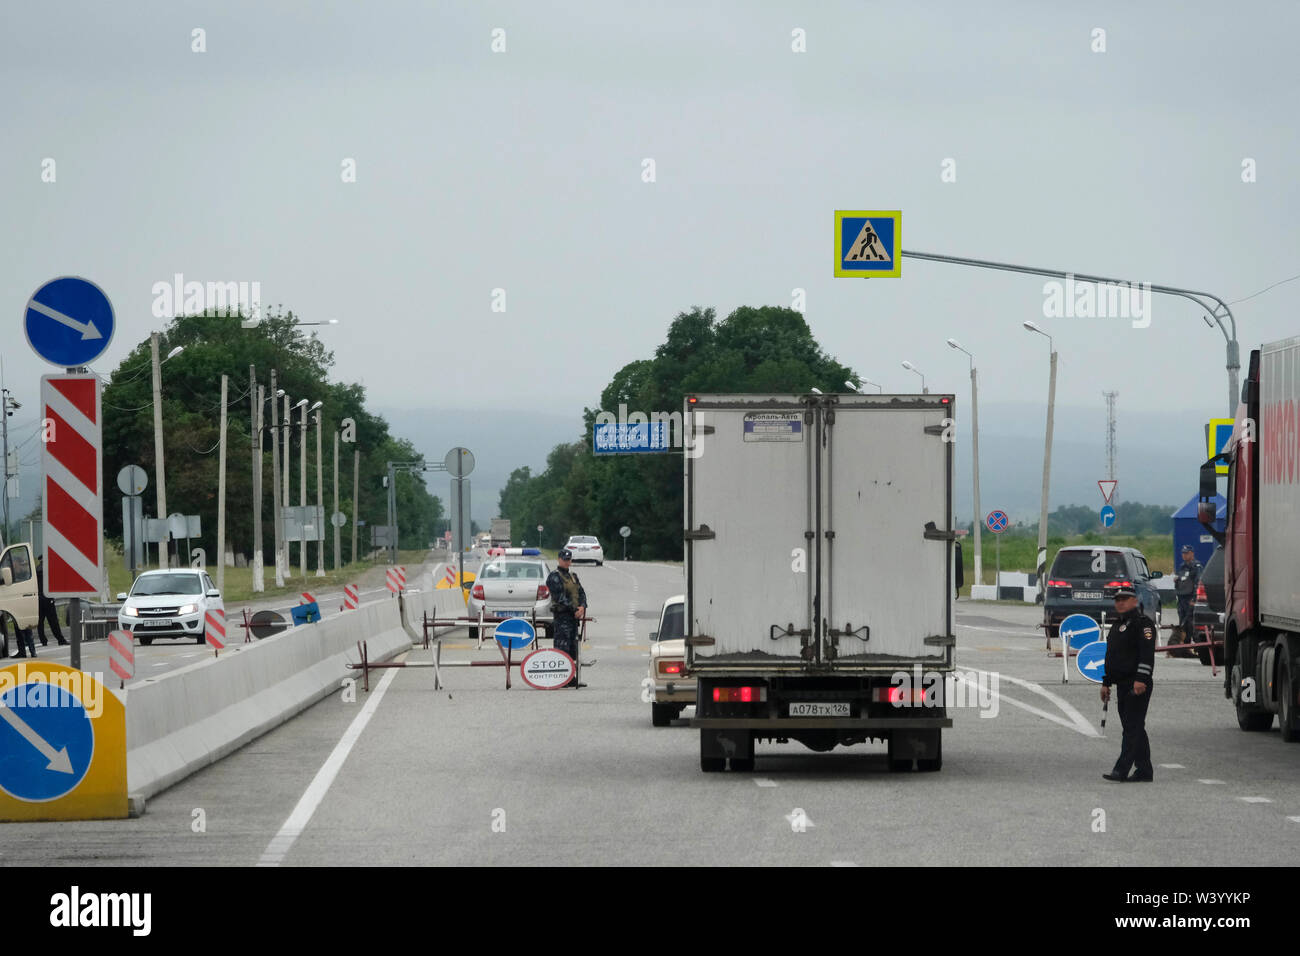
x=524, y=171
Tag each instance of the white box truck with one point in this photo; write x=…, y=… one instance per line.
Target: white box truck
x=819, y=568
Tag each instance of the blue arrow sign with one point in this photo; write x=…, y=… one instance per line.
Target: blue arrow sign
x=997, y=521
x=69, y=321
x=515, y=633
x=46, y=741
x=1107, y=516
x=1092, y=661
x=1080, y=629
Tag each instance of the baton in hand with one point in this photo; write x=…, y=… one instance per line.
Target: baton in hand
x=1104, y=705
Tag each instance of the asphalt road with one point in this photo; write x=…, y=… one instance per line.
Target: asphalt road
x=476, y=774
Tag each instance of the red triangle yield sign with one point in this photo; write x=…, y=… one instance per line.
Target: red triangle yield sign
x=1107, y=486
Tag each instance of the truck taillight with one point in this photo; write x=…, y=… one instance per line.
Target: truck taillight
x=1201, y=594
x=899, y=695
x=477, y=591
x=673, y=667
x=737, y=695
x=543, y=592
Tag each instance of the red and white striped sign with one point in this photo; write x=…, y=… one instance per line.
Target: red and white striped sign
x=349, y=597
x=306, y=598
x=72, y=502
x=214, y=628
x=396, y=579
x=450, y=576
x=121, y=654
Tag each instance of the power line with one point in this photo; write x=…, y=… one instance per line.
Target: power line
x=1266, y=288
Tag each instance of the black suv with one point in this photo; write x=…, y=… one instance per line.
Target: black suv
x=1074, y=587
x=1208, y=610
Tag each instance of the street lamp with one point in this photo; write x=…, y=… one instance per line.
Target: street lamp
x=912, y=368
x=866, y=381
x=975, y=460
x=159, y=481
x=1047, y=472
x=320, y=499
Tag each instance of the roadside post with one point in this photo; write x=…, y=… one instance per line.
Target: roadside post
x=997, y=521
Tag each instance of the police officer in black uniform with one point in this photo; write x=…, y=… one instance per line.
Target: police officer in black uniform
x=568, y=607
x=1130, y=660
x=1189, y=575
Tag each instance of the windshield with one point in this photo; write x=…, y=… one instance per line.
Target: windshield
x=1078, y=564
x=516, y=570
x=166, y=584
x=671, y=628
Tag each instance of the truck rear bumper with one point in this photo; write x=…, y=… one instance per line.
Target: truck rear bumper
x=820, y=723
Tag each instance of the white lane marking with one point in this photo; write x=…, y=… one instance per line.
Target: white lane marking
x=1077, y=721
x=998, y=630
x=1211, y=782
x=764, y=782
x=1173, y=766
x=842, y=863
x=1255, y=799
x=1294, y=819
x=803, y=820
x=280, y=844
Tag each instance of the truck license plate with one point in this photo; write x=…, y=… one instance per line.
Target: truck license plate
x=1087, y=595
x=834, y=708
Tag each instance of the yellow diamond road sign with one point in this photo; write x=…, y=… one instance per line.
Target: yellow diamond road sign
x=868, y=243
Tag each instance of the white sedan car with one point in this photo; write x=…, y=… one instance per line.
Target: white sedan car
x=512, y=587
x=674, y=689
x=168, y=603
x=586, y=547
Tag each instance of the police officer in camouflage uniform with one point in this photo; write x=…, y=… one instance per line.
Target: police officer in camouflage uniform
x=1130, y=661
x=568, y=607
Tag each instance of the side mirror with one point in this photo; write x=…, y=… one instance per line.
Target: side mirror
x=654, y=636
x=214, y=593
x=1209, y=483
x=1206, y=512
x=121, y=595
x=1157, y=574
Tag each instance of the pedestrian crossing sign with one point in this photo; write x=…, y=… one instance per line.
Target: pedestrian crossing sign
x=868, y=243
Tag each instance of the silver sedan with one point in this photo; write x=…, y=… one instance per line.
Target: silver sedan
x=512, y=587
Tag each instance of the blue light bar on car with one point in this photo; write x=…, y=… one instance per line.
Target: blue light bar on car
x=522, y=551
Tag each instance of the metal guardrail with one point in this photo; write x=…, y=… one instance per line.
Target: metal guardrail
x=97, y=620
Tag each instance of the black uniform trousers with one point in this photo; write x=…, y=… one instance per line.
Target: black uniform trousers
x=50, y=612
x=565, y=629
x=1136, y=748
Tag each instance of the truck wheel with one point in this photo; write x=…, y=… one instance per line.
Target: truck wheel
x=935, y=763
x=662, y=714
x=1248, y=718
x=742, y=765
x=1286, y=714
x=899, y=766
x=712, y=764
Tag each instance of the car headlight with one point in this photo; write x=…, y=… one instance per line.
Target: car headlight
x=187, y=609
x=129, y=610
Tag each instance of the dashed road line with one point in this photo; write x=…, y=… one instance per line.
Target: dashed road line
x=1173, y=766
x=1212, y=783
x=1254, y=799
x=764, y=782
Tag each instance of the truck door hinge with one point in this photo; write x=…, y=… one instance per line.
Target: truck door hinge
x=702, y=533
x=934, y=429
x=700, y=640
x=933, y=533
x=941, y=640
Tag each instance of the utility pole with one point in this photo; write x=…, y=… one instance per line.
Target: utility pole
x=256, y=396
x=302, y=491
x=160, y=485
x=1110, y=433
x=288, y=435
x=221, y=494
x=275, y=480
x=356, y=498
x=336, y=500
x=6, y=406
x=1047, y=474
x=320, y=505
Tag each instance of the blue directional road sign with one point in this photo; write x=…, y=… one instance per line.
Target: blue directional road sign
x=1107, y=516
x=1092, y=661
x=997, y=521
x=69, y=321
x=1080, y=629
x=46, y=741
x=515, y=633
x=305, y=613
x=615, y=438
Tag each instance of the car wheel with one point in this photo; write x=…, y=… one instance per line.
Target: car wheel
x=713, y=764
x=146, y=641
x=1286, y=714
x=1203, y=653
x=200, y=637
x=600, y=564
x=742, y=764
x=932, y=764
x=1248, y=717
x=662, y=714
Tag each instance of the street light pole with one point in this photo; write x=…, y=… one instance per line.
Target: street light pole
x=1218, y=310
x=320, y=504
x=160, y=485
x=912, y=368
x=276, y=519
x=1047, y=471
x=975, y=460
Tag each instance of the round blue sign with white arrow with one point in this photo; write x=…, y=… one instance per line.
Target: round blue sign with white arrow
x=515, y=633
x=68, y=321
x=1092, y=661
x=46, y=741
x=1107, y=516
x=1080, y=629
